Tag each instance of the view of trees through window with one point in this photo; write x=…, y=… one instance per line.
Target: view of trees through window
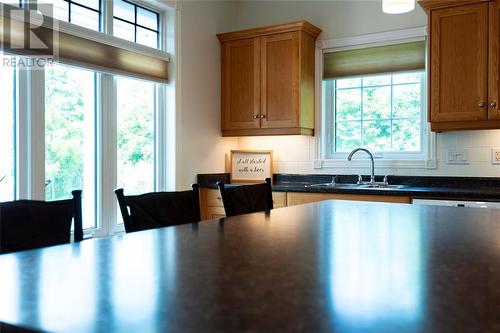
x=7, y=132
x=136, y=104
x=381, y=112
x=70, y=136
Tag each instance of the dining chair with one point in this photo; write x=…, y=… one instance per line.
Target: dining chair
x=31, y=224
x=244, y=199
x=159, y=209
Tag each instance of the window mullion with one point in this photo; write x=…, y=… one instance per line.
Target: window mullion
x=31, y=139
x=106, y=155
x=107, y=17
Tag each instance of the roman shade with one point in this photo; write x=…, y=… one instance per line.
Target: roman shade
x=95, y=51
x=373, y=60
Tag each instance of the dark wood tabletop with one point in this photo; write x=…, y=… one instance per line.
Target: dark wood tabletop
x=331, y=266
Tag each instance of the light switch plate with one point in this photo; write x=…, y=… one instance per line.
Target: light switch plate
x=457, y=156
x=495, y=156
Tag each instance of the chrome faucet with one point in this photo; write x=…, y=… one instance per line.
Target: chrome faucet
x=372, y=176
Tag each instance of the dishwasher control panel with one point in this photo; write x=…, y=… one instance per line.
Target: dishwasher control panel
x=457, y=203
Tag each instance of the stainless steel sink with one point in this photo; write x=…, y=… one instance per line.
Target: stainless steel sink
x=379, y=186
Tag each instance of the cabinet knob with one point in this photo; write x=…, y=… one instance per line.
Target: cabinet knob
x=493, y=104
x=481, y=104
x=255, y=116
x=262, y=116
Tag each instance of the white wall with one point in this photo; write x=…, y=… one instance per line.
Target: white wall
x=295, y=154
x=200, y=147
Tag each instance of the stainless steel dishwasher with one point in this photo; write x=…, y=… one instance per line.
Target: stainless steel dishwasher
x=457, y=203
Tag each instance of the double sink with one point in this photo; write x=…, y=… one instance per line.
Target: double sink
x=372, y=184
x=362, y=186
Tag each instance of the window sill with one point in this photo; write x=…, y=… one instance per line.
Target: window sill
x=379, y=163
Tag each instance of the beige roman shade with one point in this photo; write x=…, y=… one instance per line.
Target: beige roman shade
x=373, y=60
x=89, y=53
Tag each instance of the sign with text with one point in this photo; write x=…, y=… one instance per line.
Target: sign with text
x=251, y=166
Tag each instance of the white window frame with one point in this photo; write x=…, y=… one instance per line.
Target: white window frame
x=30, y=171
x=426, y=160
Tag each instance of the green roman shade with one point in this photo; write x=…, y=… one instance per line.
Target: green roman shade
x=96, y=51
x=374, y=60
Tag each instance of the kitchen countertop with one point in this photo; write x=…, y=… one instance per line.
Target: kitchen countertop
x=453, y=188
x=322, y=267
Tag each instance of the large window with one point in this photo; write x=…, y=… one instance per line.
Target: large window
x=72, y=127
x=136, y=23
x=382, y=112
x=85, y=13
x=136, y=105
x=374, y=97
x=7, y=132
x=70, y=136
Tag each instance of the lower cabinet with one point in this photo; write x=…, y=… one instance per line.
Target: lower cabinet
x=212, y=207
x=295, y=198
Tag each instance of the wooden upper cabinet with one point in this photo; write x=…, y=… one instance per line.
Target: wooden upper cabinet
x=459, y=53
x=268, y=80
x=494, y=61
x=463, y=64
x=280, y=80
x=241, y=84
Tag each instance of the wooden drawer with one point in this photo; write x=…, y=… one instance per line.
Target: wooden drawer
x=279, y=199
x=215, y=212
x=213, y=198
x=302, y=198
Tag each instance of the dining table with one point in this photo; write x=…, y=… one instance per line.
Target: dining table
x=329, y=266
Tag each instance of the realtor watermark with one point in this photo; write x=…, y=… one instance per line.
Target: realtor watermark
x=29, y=35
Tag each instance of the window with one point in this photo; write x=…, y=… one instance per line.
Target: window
x=79, y=128
x=70, y=136
x=16, y=3
x=136, y=23
x=382, y=113
x=136, y=106
x=374, y=97
x=85, y=13
x=7, y=133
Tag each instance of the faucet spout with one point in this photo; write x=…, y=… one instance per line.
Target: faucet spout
x=349, y=158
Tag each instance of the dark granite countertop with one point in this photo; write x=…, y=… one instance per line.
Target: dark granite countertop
x=453, y=188
x=329, y=266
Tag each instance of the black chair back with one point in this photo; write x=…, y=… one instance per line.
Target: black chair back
x=30, y=224
x=159, y=209
x=246, y=199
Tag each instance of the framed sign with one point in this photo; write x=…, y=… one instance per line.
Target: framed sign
x=251, y=166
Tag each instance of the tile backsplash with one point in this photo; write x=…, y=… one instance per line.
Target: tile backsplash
x=296, y=154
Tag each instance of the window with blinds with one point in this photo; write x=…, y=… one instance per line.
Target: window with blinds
x=375, y=98
x=91, y=100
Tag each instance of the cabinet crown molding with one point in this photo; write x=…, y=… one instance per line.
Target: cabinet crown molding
x=270, y=30
x=429, y=5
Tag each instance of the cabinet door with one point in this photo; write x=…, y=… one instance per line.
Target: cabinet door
x=280, y=80
x=459, y=48
x=494, y=61
x=241, y=84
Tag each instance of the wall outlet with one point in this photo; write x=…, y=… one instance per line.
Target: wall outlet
x=495, y=156
x=457, y=156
